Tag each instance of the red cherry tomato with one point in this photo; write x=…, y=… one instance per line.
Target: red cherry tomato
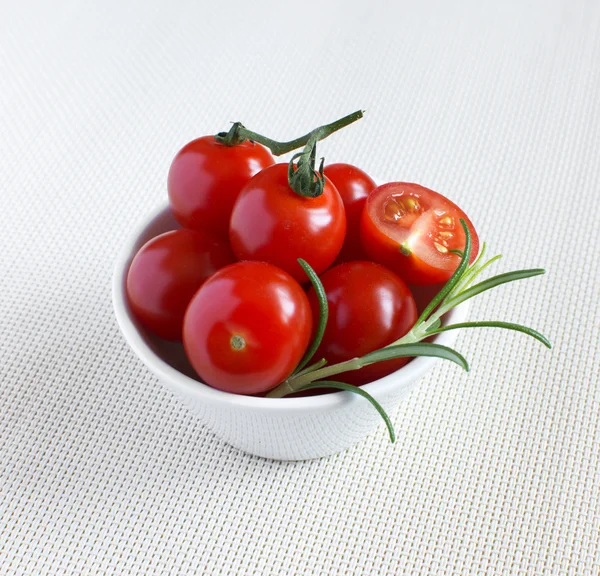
x=369, y=308
x=167, y=272
x=411, y=230
x=270, y=222
x=353, y=186
x=247, y=328
x=205, y=178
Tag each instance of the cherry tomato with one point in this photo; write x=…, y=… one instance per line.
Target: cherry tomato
x=205, y=178
x=247, y=328
x=369, y=308
x=353, y=186
x=270, y=222
x=167, y=272
x=412, y=230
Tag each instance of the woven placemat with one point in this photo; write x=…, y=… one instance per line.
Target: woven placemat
x=496, y=105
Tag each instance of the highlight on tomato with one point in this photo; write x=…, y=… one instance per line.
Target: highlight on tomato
x=165, y=274
x=247, y=328
x=415, y=232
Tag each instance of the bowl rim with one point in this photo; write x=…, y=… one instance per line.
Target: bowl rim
x=189, y=386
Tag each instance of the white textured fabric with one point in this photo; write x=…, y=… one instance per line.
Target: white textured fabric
x=495, y=104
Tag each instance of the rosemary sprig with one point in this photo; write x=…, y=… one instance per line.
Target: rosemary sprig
x=457, y=290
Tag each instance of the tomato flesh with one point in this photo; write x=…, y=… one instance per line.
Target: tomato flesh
x=247, y=328
x=413, y=230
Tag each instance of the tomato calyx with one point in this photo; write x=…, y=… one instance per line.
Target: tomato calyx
x=233, y=137
x=303, y=178
x=458, y=289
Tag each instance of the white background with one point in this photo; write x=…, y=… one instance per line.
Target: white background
x=495, y=104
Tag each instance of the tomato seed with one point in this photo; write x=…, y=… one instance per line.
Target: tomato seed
x=394, y=210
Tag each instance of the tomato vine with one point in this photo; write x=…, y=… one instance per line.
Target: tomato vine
x=303, y=177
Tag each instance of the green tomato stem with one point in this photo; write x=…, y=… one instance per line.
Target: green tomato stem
x=302, y=176
x=239, y=133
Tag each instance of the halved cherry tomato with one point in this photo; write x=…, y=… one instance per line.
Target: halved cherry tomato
x=270, y=222
x=353, y=186
x=369, y=308
x=205, y=178
x=165, y=274
x=412, y=230
x=247, y=328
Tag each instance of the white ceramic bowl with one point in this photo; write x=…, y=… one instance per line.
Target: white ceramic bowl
x=278, y=428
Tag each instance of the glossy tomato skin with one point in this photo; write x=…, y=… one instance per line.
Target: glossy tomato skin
x=205, y=178
x=271, y=223
x=411, y=229
x=353, y=186
x=247, y=328
x=165, y=274
x=369, y=308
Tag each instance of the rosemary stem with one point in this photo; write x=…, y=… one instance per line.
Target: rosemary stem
x=296, y=382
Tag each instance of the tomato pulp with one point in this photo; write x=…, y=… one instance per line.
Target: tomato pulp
x=271, y=223
x=247, y=328
x=206, y=177
x=412, y=230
